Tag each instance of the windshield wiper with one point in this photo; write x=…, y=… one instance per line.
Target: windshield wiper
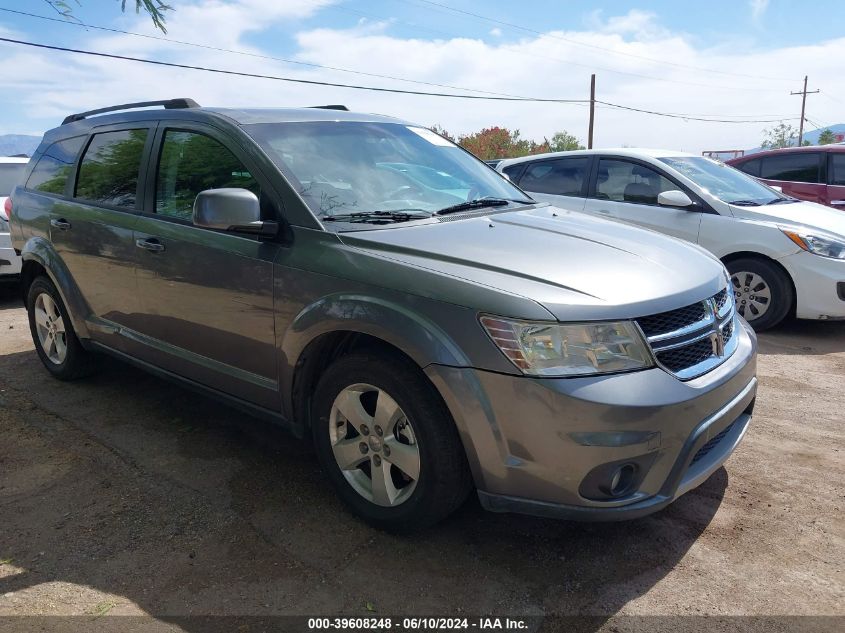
x=480, y=203
x=782, y=200
x=378, y=217
x=745, y=203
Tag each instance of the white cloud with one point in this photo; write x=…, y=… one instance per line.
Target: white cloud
x=758, y=8
x=496, y=32
x=555, y=65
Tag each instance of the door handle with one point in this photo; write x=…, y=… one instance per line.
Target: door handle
x=149, y=244
x=61, y=224
x=837, y=202
x=604, y=211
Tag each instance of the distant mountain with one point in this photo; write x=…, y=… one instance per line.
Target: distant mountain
x=11, y=144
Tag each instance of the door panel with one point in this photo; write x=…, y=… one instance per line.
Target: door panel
x=93, y=232
x=627, y=191
x=207, y=307
x=206, y=296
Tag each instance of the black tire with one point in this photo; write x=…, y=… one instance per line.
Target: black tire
x=444, y=479
x=77, y=362
x=779, y=285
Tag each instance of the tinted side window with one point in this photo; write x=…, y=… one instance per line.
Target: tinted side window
x=564, y=176
x=794, y=167
x=109, y=170
x=513, y=171
x=190, y=163
x=623, y=181
x=751, y=167
x=837, y=169
x=52, y=170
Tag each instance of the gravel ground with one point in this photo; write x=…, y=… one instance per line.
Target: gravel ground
x=125, y=495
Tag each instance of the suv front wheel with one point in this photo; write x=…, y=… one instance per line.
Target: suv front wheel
x=387, y=442
x=52, y=332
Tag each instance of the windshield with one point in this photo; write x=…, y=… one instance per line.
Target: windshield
x=352, y=167
x=10, y=175
x=726, y=183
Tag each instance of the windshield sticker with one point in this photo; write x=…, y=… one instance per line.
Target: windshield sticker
x=431, y=137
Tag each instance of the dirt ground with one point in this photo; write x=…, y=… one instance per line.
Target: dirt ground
x=125, y=495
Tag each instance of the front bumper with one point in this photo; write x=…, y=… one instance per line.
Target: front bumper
x=532, y=443
x=816, y=281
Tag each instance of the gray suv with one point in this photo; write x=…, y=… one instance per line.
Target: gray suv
x=371, y=286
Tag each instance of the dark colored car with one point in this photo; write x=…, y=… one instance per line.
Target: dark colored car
x=375, y=288
x=812, y=173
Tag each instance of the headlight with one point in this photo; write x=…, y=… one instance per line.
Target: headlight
x=576, y=349
x=826, y=246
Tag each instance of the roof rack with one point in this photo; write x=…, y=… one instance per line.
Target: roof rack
x=169, y=104
x=331, y=107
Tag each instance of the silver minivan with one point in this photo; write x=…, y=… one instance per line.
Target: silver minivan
x=387, y=296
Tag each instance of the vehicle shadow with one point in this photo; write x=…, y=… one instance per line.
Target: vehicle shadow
x=803, y=337
x=177, y=506
x=10, y=295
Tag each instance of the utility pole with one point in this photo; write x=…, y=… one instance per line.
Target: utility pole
x=803, y=94
x=593, y=110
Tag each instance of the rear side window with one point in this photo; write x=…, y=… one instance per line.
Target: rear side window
x=564, y=176
x=191, y=163
x=108, y=173
x=750, y=167
x=513, y=171
x=624, y=181
x=837, y=169
x=794, y=167
x=10, y=176
x=53, y=169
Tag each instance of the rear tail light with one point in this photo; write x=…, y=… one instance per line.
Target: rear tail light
x=7, y=208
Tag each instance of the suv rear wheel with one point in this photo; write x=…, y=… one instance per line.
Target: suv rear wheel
x=764, y=294
x=387, y=442
x=55, y=341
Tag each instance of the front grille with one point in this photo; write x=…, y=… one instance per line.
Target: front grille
x=692, y=340
x=711, y=443
x=676, y=360
x=673, y=320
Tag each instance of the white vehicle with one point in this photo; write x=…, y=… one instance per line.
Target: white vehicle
x=12, y=169
x=784, y=255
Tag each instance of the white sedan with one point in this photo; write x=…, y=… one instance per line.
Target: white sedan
x=784, y=255
x=12, y=170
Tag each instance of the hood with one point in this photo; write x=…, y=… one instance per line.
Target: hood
x=577, y=266
x=808, y=214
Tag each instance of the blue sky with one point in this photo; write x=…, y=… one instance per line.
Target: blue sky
x=737, y=60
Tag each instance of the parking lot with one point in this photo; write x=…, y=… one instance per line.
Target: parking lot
x=124, y=494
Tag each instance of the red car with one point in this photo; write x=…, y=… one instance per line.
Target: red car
x=814, y=173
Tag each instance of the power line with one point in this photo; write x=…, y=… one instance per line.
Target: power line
x=288, y=79
x=662, y=62
x=245, y=53
x=687, y=117
x=369, y=88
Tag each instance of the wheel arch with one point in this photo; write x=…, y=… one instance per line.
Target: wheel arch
x=727, y=259
x=338, y=325
x=40, y=259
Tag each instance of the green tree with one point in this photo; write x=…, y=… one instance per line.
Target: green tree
x=782, y=135
x=563, y=142
x=156, y=9
x=826, y=137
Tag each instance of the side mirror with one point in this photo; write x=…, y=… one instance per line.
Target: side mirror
x=231, y=210
x=674, y=198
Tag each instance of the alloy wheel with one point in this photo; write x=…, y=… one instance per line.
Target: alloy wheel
x=50, y=327
x=374, y=445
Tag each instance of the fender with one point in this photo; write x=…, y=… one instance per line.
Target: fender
x=41, y=251
x=410, y=331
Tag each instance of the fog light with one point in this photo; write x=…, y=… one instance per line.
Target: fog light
x=620, y=480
